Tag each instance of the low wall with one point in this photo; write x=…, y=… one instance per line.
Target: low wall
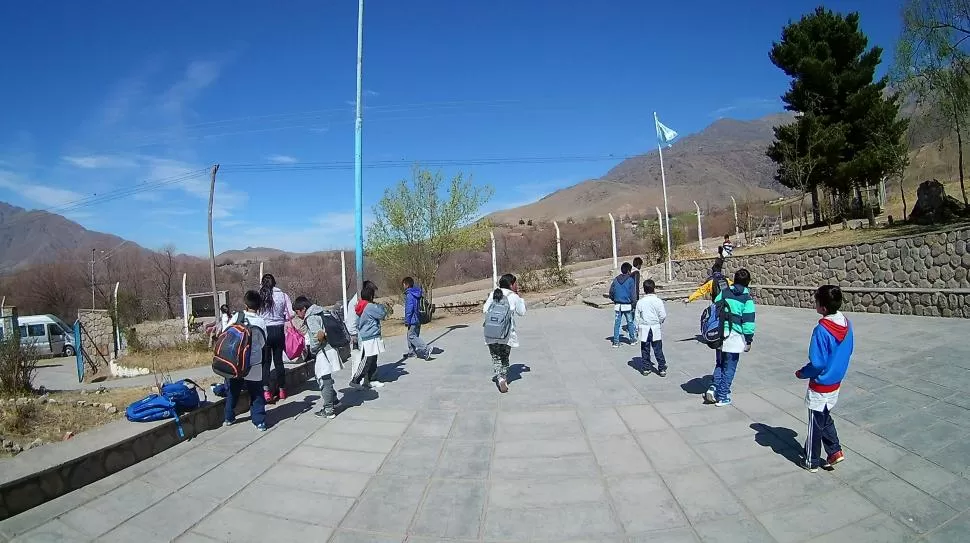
x=924, y=274
x=23, y=493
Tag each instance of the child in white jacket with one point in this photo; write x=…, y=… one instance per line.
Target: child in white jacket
x=649, y=316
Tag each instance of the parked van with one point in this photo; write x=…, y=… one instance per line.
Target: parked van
x=48, y=334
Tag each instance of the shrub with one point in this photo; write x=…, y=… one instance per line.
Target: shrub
x=18, y=419
x=18, y=364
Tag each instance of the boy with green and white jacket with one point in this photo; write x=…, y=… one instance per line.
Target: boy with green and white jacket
x=738, y=335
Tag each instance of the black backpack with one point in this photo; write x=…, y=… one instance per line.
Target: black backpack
x=425, y=310
x=719, y=283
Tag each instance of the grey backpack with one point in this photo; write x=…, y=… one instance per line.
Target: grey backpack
x=498, y=321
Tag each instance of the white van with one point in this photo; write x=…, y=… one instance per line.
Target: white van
x=48, y=334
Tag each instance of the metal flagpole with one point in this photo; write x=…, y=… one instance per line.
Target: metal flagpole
x=358, y=123
x=663, y=181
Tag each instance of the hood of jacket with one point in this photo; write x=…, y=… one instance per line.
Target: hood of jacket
x=837, y=325
x=414, y=292
x=359, y=309
x=315, y=310
x=623, y=278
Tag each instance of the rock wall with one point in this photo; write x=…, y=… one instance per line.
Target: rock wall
x=915, y=275
x=97, y=335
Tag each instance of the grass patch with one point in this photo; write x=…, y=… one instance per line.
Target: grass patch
x=821, y=237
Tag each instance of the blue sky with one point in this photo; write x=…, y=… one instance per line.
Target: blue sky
x=102, y=97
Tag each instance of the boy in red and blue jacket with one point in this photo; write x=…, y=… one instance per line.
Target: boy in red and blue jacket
x=828, y=360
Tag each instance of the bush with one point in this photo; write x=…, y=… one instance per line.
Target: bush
x=135, y=344
x=530, y=281
x=18, y=419
x=18, y=364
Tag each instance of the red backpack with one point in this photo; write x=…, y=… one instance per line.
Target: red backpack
x=232, y=350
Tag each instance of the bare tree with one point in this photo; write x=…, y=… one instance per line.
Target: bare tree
x=163, y=263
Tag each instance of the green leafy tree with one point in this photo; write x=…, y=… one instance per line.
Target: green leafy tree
x=933, y=63
x=834, y=87
x=418, y=222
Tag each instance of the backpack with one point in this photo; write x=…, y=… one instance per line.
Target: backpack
x=719, y=283
x=498, y=321
x=337, y=334
x=231, y=358
x=182, y=395
x=713, y=319
x=425, y=310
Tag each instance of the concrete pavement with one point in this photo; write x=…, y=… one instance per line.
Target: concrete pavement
x=582, y=448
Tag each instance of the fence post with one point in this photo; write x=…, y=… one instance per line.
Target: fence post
x=260, y=279
x=116, y=323
x=491, y=234
x=737, y=228
x=660, y=220
x=343, y=283
x=559, y=246
x=613, y=235
x=185, y=309
x=700, y=233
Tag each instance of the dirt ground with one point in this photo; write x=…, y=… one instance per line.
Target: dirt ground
x=55, y=415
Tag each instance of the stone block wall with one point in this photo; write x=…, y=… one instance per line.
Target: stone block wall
x=915, y=275
x=97, y=335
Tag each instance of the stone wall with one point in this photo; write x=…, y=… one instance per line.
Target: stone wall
x=915, y=275
x=97, y=336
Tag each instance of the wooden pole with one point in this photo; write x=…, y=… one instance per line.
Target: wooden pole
x=212, y=251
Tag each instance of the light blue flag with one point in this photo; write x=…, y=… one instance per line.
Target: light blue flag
x=665, y=136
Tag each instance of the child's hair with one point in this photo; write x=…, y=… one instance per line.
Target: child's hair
x=727, y=237
x=637, y=262
x=506, y=282
x=718, y=263
x=649, y=286
x=626, y=267
x=742, y=277
x=301, y=303
x=829, y=297
x=368, y=292
x=408, y=282
x=267, y=285
x=224, y=309
x=253, y=301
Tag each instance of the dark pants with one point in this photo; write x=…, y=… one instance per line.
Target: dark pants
x=367, y=373
x=274, y=374
x=821, y=431
x=500, y=360
x=257, y=405
x=658, y=351
x=328, y=395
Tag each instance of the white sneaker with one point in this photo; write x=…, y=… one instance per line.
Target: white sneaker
x=709, y=396
x=376, y=384
x=503, y=385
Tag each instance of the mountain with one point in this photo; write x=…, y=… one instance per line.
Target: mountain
x=29, y=237
x=725, y=159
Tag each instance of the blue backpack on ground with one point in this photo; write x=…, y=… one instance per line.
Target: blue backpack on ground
x=181, y=395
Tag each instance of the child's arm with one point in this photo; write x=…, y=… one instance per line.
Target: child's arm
x=703, y=290
x=613, y=291
x=661, y=311
x=817, y=357
x=639, y=315
x=747, y=321
x=519, y=306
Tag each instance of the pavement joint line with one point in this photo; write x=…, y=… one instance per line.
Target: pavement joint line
x=488, y=477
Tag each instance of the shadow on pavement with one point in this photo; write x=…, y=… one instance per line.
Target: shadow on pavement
x=279, y=412
x=516, y=371
x=450, y=329
x=781, y=440
x=390, y=373
x=698, y=385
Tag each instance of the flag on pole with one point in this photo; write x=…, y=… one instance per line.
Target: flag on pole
x=664, y=135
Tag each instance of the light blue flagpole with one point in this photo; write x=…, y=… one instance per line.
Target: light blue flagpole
x=663, y=182
x=358, y=125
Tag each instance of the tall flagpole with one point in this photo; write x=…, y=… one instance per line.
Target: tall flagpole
x=358, y=124
x=663, y=181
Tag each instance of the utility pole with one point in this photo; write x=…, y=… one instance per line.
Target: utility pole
x=358, y=125
x=212, y=252
x=92, y=278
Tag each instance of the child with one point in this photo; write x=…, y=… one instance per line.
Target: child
x=635, y=273
x=253, y=381
x=828, y=360
x=412, y=298
x=738, y=335
x=650, y=316
x=500, y=348
x=327, y=360
x=623, y=293
x=727, y=248
x=369, y=317
x=713, y=284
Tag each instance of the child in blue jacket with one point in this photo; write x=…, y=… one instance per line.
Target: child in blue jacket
x=828, y=359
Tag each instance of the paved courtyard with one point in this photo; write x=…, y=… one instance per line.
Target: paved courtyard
x=582, y=448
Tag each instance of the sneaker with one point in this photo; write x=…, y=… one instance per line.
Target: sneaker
x=359, y=386
x=376, y=384
x=503, y=385
x=268, y=396
x=723, y=403
x=645, y=373
x=261, y=427
x=709, y=396
x=833, y=459
x=282, y=394
x=322, y=413
x=663, y=373
x=616, y=345
x=227, y=423
x=809, y=468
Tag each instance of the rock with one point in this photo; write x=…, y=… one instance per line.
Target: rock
x=23, y=401
x=112, y=410
x=95, y=404
x=933, y=206
x=34, y=444
x=81, y=403
x=84, y=392
x=68, y=435
x=7, y=444
x=16, y=448
x=108, y=406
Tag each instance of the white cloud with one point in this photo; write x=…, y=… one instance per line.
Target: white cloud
x=196, y=184
x=282, y=159
x=749, y=105
x=327, y=231
x=199, y=75
x=35, y=192
x=368, y=92
x=90, y=162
